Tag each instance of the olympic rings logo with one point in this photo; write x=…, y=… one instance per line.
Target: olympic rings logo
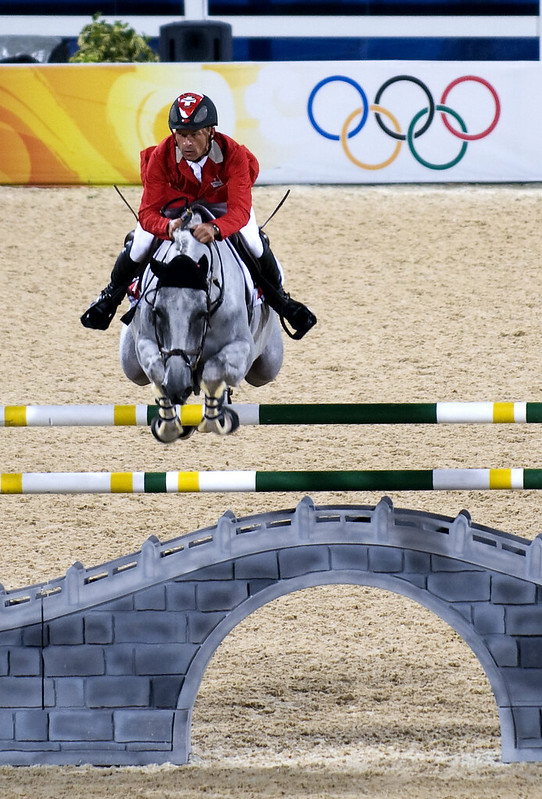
x=389, y=124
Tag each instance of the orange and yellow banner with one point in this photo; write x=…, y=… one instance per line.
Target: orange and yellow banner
x=87, y=123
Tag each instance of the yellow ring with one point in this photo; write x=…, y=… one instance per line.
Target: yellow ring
x=344, y=138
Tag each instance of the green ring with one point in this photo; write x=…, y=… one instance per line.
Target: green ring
x=410, y=139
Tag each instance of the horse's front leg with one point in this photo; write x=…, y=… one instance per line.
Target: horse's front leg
x=128, y=359
x=166, y=425
x=227, y=368
x=218, y=417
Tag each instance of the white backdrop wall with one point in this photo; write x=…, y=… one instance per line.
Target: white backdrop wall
x=370, y=122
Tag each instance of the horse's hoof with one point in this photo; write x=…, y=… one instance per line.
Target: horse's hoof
x=188, y=431
x=233, y=418
x=224, y=424
x=167, y=431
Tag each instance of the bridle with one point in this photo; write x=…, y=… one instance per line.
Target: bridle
x=192, y=358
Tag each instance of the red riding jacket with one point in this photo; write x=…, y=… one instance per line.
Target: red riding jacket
x=227, y=177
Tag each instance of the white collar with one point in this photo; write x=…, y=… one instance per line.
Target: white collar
x=215, y=153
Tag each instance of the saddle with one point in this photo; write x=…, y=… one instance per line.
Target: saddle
x=255, y=292
x=263, y=271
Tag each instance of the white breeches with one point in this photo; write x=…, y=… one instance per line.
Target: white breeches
x=141, y=244
x=250, y=232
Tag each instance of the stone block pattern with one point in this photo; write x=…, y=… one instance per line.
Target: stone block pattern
x=114, y=683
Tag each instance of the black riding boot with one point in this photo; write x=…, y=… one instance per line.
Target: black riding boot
x=103, y=309
x=298, y=316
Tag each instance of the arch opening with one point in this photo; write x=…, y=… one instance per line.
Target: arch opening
x=341, y=670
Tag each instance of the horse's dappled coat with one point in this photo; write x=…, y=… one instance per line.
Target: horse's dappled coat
x=192, y=327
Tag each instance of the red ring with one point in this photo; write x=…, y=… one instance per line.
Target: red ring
x=487, y=131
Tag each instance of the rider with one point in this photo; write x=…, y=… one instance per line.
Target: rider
x=201, y=164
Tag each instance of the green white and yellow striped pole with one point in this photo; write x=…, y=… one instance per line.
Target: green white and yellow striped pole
x=254, y=481
x=80, y=415
x=286, y=414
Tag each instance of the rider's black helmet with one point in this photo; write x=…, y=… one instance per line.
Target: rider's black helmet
x=192, y=111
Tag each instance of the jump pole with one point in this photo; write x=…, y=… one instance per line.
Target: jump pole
x=286, y=414
x=254, y=481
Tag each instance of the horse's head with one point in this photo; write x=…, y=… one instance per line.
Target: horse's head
x=179, y=316
x=174, y=314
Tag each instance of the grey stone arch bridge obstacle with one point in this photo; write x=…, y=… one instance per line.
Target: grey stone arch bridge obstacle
x=103, y=665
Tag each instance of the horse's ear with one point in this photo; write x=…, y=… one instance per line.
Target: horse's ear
x=159, y=268
x=203, y=265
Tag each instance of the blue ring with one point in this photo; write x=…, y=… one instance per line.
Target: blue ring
x=364, y=100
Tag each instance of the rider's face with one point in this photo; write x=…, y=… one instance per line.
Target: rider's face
x=193, y=143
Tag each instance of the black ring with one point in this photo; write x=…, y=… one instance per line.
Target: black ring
x=431, y=114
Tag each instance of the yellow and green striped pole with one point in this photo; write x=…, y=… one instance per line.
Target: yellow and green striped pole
x=286, y=414
x=254, y=481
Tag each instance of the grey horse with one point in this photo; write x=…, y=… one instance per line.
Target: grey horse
x=197, y=326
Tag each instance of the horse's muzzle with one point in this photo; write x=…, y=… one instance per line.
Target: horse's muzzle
x=178, y=383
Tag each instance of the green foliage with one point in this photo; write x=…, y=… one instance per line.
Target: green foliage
x=101, y=41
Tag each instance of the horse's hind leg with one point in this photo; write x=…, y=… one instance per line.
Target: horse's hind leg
x=267, y=365
x=128, y=359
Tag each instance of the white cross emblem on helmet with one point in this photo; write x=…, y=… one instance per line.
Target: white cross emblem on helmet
x=187, y=102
